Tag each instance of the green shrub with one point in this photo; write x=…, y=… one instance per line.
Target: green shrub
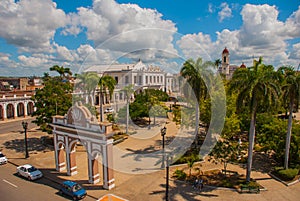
x=251, y=184
x=191, y=156
x=226, y=183
x=180, y=174
x=287, y=174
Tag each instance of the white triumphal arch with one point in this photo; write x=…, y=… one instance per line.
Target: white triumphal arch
x=79, y=125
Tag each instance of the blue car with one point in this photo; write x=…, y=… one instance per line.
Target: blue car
x=73, y=190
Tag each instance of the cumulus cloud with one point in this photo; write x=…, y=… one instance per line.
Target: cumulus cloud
x=292, y=27
x=196, y=45
x=30, y=24
x=123, y=27
x=63, y=53
x=6, y=62
x=261, y=34
x=295, y=53
x=225, y=12
x=32, y=61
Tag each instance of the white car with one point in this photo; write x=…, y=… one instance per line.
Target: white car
x=109, y=110
x=3, y=158
x=29, y=172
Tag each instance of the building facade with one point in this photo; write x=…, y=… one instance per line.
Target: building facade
x=139, y=75
x=16, y=104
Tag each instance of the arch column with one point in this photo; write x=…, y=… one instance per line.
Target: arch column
x=71, y=156
x=4, y=111
x=93, y=168
x=60, y=163
x=15, y=110
x=108, y=173
x=25, y=108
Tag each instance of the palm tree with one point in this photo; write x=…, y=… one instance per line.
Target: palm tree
x=61, y=71
x=255, y=86
x=128, y=90
x=291, y=93
x=197, y=74
x=106, y=82
x=217, y=63
x=89, y=81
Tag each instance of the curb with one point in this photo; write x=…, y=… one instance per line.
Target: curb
x=284, y=182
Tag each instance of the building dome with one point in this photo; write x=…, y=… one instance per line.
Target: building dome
x=225, y=51
x=243, y=65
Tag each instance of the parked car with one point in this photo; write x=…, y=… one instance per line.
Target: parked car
x=29, y=172
x=3, y=158
x=109, y=110
x=72, y=189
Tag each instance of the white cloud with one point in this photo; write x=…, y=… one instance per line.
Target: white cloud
x=123, y=27
x=225, y=12
x=31, y=61
x=30, y=24
x=63, y=53
x=295, y=53
x=211, y=8
x=6, y=62
x=261, y=34
x=293, y=24
x=196, y=45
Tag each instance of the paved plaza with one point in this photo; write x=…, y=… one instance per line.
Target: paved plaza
x=138, y=183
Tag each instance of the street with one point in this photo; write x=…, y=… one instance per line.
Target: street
x=16, y=125
x=13, y=187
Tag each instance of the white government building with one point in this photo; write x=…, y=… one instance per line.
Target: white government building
x=140, y=75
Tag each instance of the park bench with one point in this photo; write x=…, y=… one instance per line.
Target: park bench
x=249, y=189
x=230, y=172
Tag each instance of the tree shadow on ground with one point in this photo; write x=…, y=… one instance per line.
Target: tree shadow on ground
x=186, y=191
x=18, y=145
x=262, y=162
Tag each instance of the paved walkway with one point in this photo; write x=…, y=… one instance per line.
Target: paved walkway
x=139, y=185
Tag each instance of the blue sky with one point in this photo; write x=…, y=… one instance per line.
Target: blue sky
x=38, y=34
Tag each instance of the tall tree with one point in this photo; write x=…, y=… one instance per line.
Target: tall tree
x=63, y=72
x=217, y=63
x=105, y=83
x=128, y=90
x=255, y=86
x=55, y=98
x=291, y=93
x=88, y=81
x=197, y=74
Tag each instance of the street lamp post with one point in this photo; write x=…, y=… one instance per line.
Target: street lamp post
x=25, y=126
x=167, y=179
x=163, y=132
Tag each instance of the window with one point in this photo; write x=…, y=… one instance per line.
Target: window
x=146, y=79
x=140, y=80
x=126, y=79
x=134, y=80
x=161, y=79
x=154, y=79
x=150, y=79
x=224, y=59
x=117, y=79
